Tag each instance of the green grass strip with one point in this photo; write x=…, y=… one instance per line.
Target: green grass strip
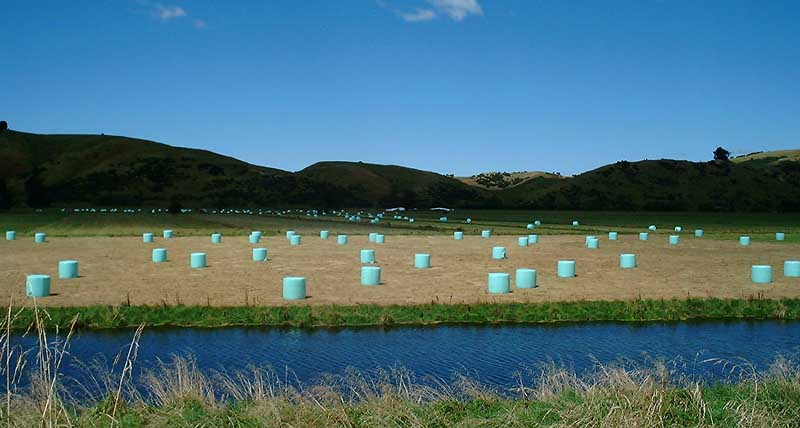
x=105, y=317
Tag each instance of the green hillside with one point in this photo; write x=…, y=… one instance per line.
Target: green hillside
x=669, y=185
x=41, y=170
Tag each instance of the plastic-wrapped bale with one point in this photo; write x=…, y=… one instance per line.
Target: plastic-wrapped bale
x=370, y=275
x=443, y=219
x=643, y=236
x=367, y=256
x=530, y=226
x=613, y=236
x=533, y=239
x=566, y=268
x=627, y=261
x=791, y=268
x=147, y=237
x=486, y=234
x=588, y=238
x=167, y=234
x=525, y=278
x=652, y=228
x=289, y=234
x=257, y=234
x=159, y=255
x=698, y=233
x=422, y=261
x=216, y=238
x=341, y=239
x=458, y=236
x=11, y=235
x=197, y=260
x=295, y=240
x=499, y=253
x=780, y=236
x=678, y=229
x=674, y=239
x=259, y=254
x=294, y=288
x=323, y=234
x=380, y=238
x=761, y=274
x=499, y=283
x=469, y=220
x=593, y=244
x=537, y=223
x=744, y=241
x=37, y=285
x=522, y=241
x=40, y=237
x=575, y=223
x=68, y=269
x=372, y=236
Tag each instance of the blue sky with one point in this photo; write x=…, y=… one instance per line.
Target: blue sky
x=453, y=86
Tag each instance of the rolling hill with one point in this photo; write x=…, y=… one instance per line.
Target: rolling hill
x=40, y=170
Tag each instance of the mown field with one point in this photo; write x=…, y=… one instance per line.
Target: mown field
x=760, y=226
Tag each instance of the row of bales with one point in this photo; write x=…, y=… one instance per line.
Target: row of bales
x=294, y=287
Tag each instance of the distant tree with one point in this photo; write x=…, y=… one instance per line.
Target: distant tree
x=175, y=206
x=35, y=191
x=721, y=154
x=3, y=125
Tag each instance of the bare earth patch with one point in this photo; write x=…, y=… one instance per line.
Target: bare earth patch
x=116, y=271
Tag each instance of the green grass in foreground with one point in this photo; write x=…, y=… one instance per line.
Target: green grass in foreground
x=100, y=317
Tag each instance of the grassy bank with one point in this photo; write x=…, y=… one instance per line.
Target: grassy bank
x=101, y=317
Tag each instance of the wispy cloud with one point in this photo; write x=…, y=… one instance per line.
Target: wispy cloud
x=418, y=15
x=457, y=10
x=168, y=13
x=200, y=24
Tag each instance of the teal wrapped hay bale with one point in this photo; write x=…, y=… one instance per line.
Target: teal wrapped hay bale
x=370, y=275
x=791, y=268
x=290, y=233
x=147, y=237
x=652, y=228
x=744, y=241
x=566, y=268
x=588, y=238
x=216, y=238
x=37, y=285
x=522, y=241
x=197, y=260
x=698, y=233
x=40, y=237
x=499, y=283
x=678, y=229
x=257, y=234
x=67, y=269
x=380, y=238
x=341, y=239
x=422, y=261
x=485, y=234
x=674, y=239
x=593, y=244
x=627, y=261
x=159, y=255
x=643, y=236
x=780, y=236
x=295, y=240
x=458, y=236
x=167, y=234
x=575, y=223
x=443, y=219
x=537, y=223
x=499, y=253
x=613, y=236
x=761, y=274
x=324, y=234
x=254, y=239
x=533, y=239
x=530, y=226
x=11, y=235
x=469, y=220
x=525, y=278
x=372, y=236
x=259, y=254
x=294, y=288
x=367, y=256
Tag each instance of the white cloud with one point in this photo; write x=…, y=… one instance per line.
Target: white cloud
x=457, y=10
x=418, y=15
x=167, y=13
x=200, y=24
